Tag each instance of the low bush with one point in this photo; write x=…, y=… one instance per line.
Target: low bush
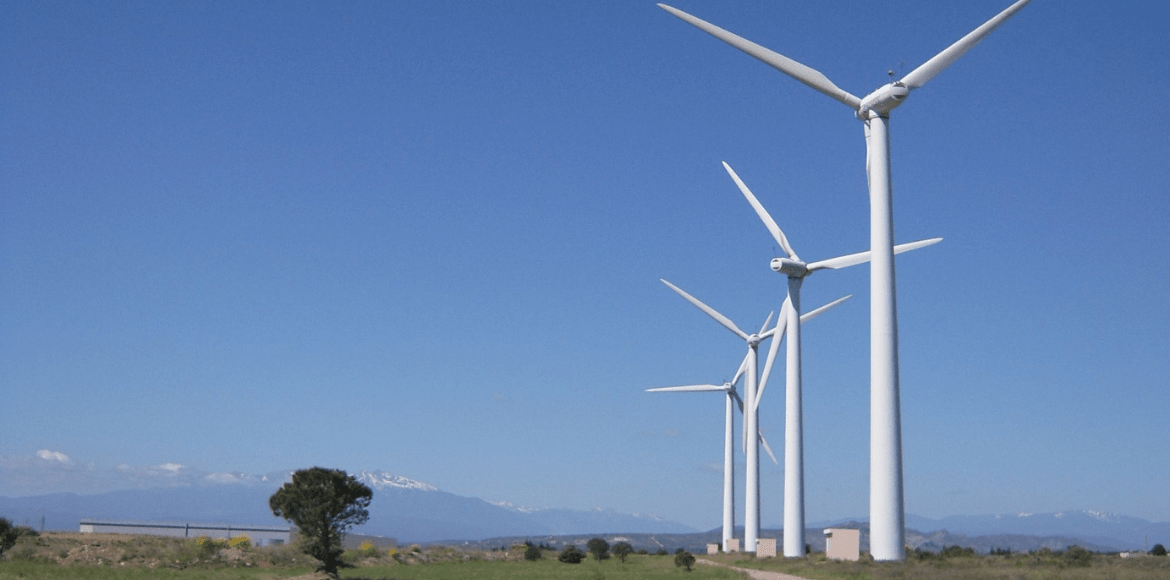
x=571, y=555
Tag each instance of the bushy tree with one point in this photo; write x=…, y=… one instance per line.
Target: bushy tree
x=599, y=548
x=323, y=504
x=1158, y=550
x=571, y=555
x=684, y=559
x=621, y=550
x=1078, y=556
x=532, y=553
x=957, y=552
x=8, y=535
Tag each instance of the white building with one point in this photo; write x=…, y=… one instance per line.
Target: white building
x=257, y=535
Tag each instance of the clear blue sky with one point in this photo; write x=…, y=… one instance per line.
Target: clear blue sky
x=426, y=237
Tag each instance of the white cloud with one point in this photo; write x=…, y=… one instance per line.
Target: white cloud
x=173, y=468
x=225, y=478
x=53, y=456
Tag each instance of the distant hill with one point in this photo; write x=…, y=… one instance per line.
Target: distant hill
x=1116, y=531
x=814, y=537
x=408, y=510
x=414, y=512
x=1097, y=531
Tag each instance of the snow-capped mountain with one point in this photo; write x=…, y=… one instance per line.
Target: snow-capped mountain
x=380, y=480
x=403, y=508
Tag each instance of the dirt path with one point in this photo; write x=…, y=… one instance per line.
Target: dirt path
x=755, y=574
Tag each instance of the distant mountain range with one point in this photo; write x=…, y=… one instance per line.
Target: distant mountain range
x=402, y=508
x=412, y=511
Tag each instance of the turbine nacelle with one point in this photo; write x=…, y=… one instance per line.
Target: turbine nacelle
x=790, y=268
x=883, y=100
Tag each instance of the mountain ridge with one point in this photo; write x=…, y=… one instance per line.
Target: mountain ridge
x=414, y=511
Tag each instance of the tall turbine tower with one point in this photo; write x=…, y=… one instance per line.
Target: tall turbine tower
x=797, y=270
x=886, y=506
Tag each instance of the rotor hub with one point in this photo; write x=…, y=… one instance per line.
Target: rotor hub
x=790, y=268
x=883, y=100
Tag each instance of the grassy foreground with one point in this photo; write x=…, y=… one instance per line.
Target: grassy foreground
x=58, y=556
x=1072, y=564
x=636, y=567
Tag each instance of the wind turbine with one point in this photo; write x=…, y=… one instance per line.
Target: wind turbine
x=797, y=270
x=728, y=446
x=751, y=405
x=887, y=509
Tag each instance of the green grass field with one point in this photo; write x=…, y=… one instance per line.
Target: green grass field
x=59, y=556
x=635, y=568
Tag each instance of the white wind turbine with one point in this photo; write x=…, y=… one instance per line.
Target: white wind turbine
x=729, y=425
x=797, y=270
x=887, y=508
x=728, y=445
x=751, y=404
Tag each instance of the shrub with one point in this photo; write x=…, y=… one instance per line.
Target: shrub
x=684, y=559
x=532, y=553
x=1158, y=550
x=622, y=549
x=240, y=542
x=1078, y=556
x=8, y=535
x=208, y=547
x=571, y=555
x=599, y=548
x=957, y=552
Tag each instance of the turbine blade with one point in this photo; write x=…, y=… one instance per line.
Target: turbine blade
x=773, y=348
x=898, y=249
x=921, y=75
x=768, y=448
x=739, y=373
x=770, y=223
x=766, y=323
x=687, y=389
x=809, y=76
x=863, y=257
x=721, y=319
x=819, y=311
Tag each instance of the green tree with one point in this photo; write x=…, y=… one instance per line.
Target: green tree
x=1158, y=550
x=621, y=550
x=323, y=504
x=599, y=548
x=684, y=559
x=1078, y=556
x=571, y=555
x=8, y=535
x=532, y=553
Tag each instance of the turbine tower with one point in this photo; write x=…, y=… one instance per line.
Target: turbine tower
x=797, y=270
x=728, y=445
x=751, y=498
x=887, y=508
x=752, y=395
x=729, y=423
